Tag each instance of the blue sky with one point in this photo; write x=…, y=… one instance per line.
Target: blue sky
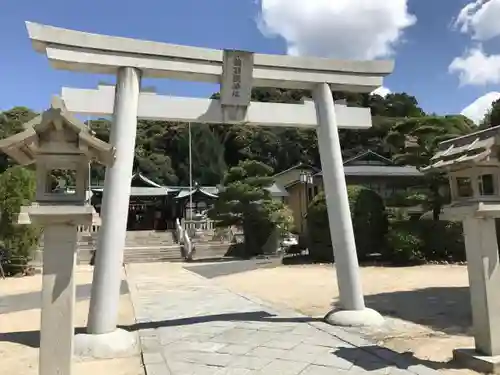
x=423, y=52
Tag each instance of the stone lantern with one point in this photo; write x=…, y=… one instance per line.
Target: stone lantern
x=57, y=143
x=472, y=163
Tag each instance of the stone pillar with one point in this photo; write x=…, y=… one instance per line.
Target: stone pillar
x=353, y=311
x=58, y=300
x=484, y=280
x=103, y=313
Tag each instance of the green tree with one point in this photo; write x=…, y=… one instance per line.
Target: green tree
x=207, y=151
x=17, y=188
x=11, y=122
x=492, y=118
x=401, y=105
x=246, y=203
x=415, y=140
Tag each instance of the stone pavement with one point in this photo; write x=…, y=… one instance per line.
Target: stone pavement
x=190, y=325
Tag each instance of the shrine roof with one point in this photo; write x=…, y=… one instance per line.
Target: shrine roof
x=139, y=177
x=201, y=190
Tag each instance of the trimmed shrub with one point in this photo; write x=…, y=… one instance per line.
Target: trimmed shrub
x=369, y=220
x=320, y=244
x=404, y=247
x=425, y=240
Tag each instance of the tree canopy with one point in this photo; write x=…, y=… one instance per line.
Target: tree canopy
x=246, y=203
x=492, y=117
x=162, y=147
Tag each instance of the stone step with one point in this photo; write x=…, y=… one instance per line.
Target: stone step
x=206, y=250
x=152, y=254
x=149, y=238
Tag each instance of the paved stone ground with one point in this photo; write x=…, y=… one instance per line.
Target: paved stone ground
x=190, y=325
x=217, y=269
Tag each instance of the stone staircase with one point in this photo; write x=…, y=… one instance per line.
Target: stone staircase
x=152, y=255
x=210, y=249
x=149, y=247
x=209, y=246
x=148, y=238
x=140, y=247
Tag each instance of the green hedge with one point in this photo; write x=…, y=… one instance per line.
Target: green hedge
x=400, y=242
x=369, y=219
x=425, y=240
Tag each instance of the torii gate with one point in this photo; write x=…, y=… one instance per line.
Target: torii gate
x=237, y=71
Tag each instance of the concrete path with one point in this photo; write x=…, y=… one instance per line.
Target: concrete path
x=190, y=325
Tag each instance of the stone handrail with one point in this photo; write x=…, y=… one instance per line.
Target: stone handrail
x=88, y=228
x=183, y=238
x=202, y=225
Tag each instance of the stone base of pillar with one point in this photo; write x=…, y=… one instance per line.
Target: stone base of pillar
x=117, y=344
x=354, y=318
x=473, y=360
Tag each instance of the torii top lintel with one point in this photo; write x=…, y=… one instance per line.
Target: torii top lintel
x=95, y=53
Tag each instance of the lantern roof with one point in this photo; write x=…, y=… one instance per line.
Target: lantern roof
x=23, y=147
x=467, y=151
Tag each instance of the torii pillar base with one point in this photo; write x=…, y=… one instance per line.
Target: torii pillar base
x=355, y=318
x=116, y=344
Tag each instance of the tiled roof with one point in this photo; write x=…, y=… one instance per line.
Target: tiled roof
x=142, y=191
x=277, y=190
x=379, y=170
x=187, y=193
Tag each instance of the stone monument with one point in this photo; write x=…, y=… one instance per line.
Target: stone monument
x=473, y=166
x=57, y=141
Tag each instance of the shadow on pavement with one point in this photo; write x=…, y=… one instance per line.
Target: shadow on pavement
x=383, y=356
x=252, y=316
x=445, y=309
x=224, y=268
x=32, y=338
x=33, y=300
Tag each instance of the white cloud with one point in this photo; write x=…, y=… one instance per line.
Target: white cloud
x=476, y=68
x=480, y=18
x=354, y=29
x=477, y=109
x=382, y=91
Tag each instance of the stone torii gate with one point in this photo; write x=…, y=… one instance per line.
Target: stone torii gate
x=237, y=72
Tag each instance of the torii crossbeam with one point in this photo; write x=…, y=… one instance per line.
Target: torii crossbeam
x=100, y=102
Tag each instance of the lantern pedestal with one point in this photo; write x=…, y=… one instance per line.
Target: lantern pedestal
x=58, y=286
x=61, y=147
x=480, y=234
x=480, y=363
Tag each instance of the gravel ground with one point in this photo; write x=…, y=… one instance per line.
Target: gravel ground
x=20, y=325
